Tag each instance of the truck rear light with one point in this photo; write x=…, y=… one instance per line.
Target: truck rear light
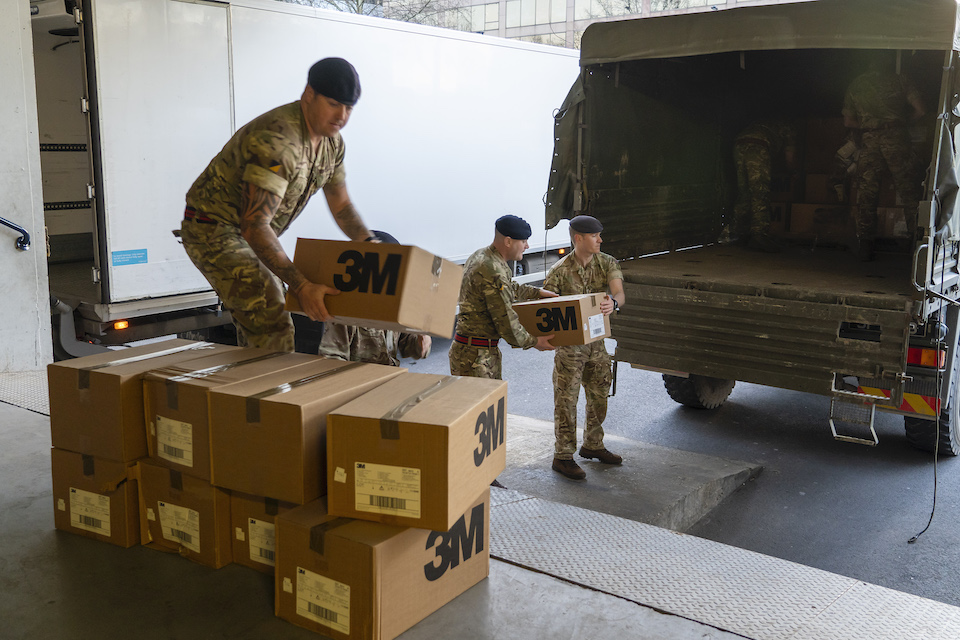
x=926, y=357
x=119, y=325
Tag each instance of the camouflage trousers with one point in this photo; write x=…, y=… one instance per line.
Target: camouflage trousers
x=252, y=295
x=886, y=149
x=590, y=366
x=751, y=213
x=475, y=362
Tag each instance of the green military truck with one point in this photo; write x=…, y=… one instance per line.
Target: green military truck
x=643, y=143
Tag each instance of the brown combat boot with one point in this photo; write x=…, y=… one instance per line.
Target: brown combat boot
x=569, y=468
x=602, y=455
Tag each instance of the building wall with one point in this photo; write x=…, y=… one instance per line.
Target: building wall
x=25, y=343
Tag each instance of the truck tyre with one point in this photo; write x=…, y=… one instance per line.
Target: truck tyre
x=922, y=434
x=698, y=392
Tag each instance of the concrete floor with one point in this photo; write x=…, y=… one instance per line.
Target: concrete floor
x=60, y=586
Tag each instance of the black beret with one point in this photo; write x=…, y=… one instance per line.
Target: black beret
x=385, y=237
x=514, y=227
x=586, y=224
x=335, y=78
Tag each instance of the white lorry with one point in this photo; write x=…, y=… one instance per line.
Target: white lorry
x=136, y=96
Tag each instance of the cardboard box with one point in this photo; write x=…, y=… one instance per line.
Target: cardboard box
x=385, y=286
x=778, y=217
x=95, y=498
x=184, y=514
x=254, y=530
x=175, y=402
x=824, y=136
x=823, y=221
x=571, y=319
x=96, y=402
x=417, y=451
x=268, y=434
x=349, y=579
x=819, y=189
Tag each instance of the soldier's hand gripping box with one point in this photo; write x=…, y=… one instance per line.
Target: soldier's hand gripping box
x=268, y=434
x=571, y=319
x=254, y=520
x=184, y=514
x=417, y=451
x=383, y=286
x=95, y=498
x=356, y=580
x=96, y=402
x=175, y=401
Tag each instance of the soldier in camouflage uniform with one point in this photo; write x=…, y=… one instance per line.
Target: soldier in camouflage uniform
x=880, y=104
x=585, y=270
x=255, y=187
x=754, y=149
x=487, y=294
x=364, y=344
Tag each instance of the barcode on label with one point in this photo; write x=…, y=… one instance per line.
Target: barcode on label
x=181, y=535
x=384, y=502
x=268, y=554
x=91, y=522
x=174, y=452
x=322, y=613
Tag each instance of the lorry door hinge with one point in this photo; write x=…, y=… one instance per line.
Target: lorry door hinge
x=77, y=15
x=84, y=105
x=91, y=192
x=95, y=275
x=899, y=376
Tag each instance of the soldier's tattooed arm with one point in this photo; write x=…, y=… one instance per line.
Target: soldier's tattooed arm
x=344, y=213
x=258, y=207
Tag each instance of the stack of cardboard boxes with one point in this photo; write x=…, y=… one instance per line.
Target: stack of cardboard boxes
x=363, y=488
x=810, y=207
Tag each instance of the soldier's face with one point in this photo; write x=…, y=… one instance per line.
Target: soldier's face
x=517, y=248
x=325, y=116
x=589, y=243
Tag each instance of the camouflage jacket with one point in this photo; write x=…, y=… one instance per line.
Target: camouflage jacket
x=776, y=135
x=362, y=344
x=878, y=99
x=568, y=278
x=487, y=294
x=273, y=152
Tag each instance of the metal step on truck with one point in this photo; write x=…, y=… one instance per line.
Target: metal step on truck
x=134, y=97
x=644, y=143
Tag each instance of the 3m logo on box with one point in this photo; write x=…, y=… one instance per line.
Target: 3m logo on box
x=490, y=428
x=557, y=319
x=459, y=543
x=364, y=272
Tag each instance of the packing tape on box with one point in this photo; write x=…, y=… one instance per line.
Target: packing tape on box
x=182, y=375
x=253, y=402
x=390, y=422
x=83, y=375
x=318, y=533
x=176, y=480
x=271, y=506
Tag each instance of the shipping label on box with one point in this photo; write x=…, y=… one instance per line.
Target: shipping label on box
x=95, y=498
x=254, y=530
x=383, y=286
x=571, y=319
x=268, y=434
x=175, y=402
x=356, y=580
x=96, y=402
x=184, y=514
x=417, y=450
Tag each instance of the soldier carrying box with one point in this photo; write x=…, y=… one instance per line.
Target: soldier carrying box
x=585, y=270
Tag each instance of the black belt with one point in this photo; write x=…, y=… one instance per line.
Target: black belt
x=476, y=342
x=193, y=215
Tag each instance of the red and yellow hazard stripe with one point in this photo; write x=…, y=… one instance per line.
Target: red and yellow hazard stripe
x=912, y=402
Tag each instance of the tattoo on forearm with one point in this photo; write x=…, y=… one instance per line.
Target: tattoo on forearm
x=349, y=221
x=258, y=208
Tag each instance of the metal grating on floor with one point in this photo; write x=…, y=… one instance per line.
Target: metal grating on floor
x=26, y=389
x=739, y=591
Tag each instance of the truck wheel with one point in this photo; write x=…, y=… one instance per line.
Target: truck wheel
x=922, y=434
x=698, y=392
